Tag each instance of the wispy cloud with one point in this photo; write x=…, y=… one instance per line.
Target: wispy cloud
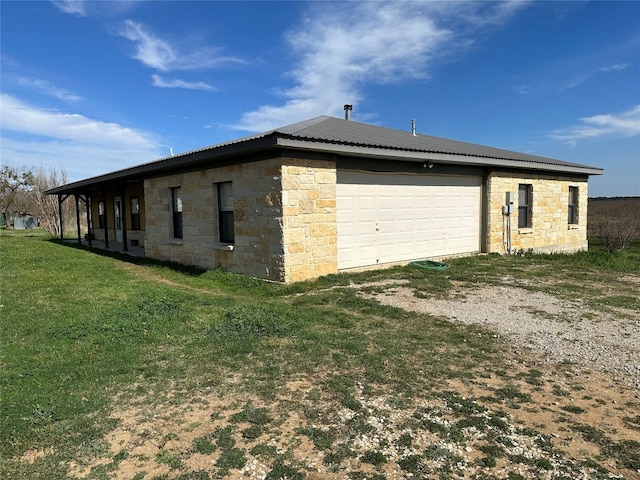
x=161, y=55
x=161, y=82
x=615, y=68
x=523, y=89
x=577, y=80
x=581, y=78
x=618, y=125
x=343, y=47
x=73, y=7
x=93, y=8
x=79, y=143
x=48, y=88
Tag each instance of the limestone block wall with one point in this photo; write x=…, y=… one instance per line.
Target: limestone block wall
x=257, y=199
x=309, y=228
x=550, y=231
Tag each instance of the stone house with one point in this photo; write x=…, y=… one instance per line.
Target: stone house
x=328, y=194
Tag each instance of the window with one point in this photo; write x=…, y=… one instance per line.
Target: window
x=525, y=201
x=225, y=212
x=135, y=213
x=101, y=216
x=573, y=206
x=176, y=203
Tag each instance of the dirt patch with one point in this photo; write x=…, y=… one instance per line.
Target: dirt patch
x=30, y=456
x=305, y=432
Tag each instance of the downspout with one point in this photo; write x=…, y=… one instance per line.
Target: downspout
x=484, y=227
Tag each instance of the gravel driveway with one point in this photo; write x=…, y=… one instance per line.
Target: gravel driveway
x=558, y=329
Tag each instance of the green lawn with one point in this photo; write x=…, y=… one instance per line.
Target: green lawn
x=84, y=333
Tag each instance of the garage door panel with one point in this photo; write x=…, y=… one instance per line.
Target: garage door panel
x=386, y=218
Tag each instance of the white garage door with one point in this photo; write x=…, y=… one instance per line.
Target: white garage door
x=384, y=218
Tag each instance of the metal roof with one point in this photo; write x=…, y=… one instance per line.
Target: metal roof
x=348, y=138
x=333, y=130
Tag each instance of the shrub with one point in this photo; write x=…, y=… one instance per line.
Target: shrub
x=615, y=220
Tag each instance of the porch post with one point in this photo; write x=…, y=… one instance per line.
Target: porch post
x=89, y=218
x=124, y=219
x=76, y=196
x=106, y=220
x=60, y=216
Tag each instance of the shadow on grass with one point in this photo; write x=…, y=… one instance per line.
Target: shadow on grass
x=190, y=270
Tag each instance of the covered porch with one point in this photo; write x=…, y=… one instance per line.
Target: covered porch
x=108, y=215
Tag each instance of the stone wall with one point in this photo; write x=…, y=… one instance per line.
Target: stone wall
x=550, y=231
x=310, y=234
x=257, y=250
x=285, y=217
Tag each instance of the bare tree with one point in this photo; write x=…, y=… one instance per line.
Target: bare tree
x=16, y=183
x=45, y=207
x=616, y=221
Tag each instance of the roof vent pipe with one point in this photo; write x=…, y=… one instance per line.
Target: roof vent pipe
x=347, y=111
x=413, y=128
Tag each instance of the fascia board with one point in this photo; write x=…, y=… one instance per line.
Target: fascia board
x=167, y=164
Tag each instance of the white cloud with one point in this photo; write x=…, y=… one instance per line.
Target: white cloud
x=73, y=7
x=82, y=145
x=344, y=47
x=620, y=125
x=159, y=54
x=161, y=82
x=48, y=88
x=150, y=50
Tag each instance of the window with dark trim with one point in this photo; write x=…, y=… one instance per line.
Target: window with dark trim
x=176, y=208
x=135, y=213
x=225, y=212
x=573, y=206
x=101, y=216
x=525, y=201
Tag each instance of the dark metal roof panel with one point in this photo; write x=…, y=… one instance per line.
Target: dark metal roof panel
x=340, y=136
x=334, y=130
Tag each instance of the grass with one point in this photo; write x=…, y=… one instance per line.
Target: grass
x=84, y=333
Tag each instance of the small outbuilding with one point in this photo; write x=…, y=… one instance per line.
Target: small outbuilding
x=25, y=222
x=328, y=194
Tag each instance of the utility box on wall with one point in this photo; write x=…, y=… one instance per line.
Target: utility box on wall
x=508, y=207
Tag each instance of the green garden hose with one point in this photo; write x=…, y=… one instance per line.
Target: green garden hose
x=430, y=264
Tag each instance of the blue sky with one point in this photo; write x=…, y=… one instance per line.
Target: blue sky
x=99, y=86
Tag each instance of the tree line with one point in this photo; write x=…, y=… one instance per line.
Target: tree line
x=22, y=193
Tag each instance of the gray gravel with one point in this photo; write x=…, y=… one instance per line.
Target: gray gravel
x=558, y=329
